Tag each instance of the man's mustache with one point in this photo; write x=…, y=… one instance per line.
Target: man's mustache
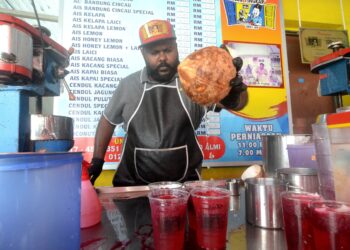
x=163, y=65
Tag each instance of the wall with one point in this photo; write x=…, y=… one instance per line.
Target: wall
x=322, y=14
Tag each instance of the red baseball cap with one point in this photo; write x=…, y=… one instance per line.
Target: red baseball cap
x=156, y=30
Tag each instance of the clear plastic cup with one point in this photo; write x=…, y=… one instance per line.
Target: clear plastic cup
x=296, y=218
x=330, y=225
x=211, y=206
x=168, y=209
x=191, y=230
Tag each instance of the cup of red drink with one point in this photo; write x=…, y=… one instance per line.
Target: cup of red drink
x=296, y=218
x=168, y=209
x=211, y=206
x=189, y=185
x=331, y=225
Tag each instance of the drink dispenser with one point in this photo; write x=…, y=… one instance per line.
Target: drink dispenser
x=332, y=131
x=334, y=72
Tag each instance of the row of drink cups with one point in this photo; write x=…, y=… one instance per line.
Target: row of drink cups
x=203, y=204
x=310, y=222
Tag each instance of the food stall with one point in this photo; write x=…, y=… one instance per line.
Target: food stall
x=227, y=139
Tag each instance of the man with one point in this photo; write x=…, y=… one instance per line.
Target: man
x=159, y=119
x=261, y=74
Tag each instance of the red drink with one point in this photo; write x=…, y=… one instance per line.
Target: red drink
x=168, y=208
x=211, y=211
x=331, y=225
x=191, y=237
x=189, y=185
x=296, y=217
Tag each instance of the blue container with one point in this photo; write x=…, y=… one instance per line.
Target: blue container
x=40, y=201
x=302, y=155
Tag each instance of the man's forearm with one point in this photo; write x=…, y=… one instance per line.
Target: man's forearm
x=103, y=136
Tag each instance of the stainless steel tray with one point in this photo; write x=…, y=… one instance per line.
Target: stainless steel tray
x=124, y=192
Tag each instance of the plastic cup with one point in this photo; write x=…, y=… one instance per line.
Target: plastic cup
x=191, y=217
x=296, y=218
x=165, y=184
x=331, y=225
x=168, y=209
x=211, y=207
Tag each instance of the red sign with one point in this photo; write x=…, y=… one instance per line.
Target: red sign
x=213, y=147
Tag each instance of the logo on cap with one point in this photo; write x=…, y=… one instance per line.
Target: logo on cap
x=156, y=30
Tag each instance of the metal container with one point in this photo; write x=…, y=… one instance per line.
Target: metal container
x=233, y=186
x=263, y=203
x=16, y=50
x=299, y=179
x=275, y=153
x=51, y=127
x=51, y=133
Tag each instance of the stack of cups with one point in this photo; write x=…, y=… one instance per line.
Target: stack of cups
x=324, y=160
x=207, y=203
x=313, y=223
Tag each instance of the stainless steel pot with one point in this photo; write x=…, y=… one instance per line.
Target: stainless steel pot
x=299, y=179
x=51, y=133
x=51, y=127
x=275, y=153
x=263, y=203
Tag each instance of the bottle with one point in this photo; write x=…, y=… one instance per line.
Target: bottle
x=91, y=209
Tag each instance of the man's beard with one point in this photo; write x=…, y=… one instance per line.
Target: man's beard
x=156, y=75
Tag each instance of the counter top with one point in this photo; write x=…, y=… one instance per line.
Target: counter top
x=126, y=224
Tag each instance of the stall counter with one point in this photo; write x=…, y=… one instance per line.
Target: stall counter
x=126, y=224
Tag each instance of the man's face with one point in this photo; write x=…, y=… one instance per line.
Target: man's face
x=161, y=60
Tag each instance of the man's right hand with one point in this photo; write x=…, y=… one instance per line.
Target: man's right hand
x=95, y=169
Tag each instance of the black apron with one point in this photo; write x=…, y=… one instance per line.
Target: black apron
x=160, y=143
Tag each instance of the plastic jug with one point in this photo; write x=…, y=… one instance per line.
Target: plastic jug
x=90, y=204
x=40, y=201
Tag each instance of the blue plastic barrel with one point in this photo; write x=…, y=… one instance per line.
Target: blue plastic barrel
x=40, y=201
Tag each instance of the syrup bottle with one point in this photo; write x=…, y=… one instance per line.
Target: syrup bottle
x=91, y=209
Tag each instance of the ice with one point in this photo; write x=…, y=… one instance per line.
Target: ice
x=321, y=209
x=342, y=209
x=335, y=208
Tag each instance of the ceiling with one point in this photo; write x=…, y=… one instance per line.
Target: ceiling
x=47, y=9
